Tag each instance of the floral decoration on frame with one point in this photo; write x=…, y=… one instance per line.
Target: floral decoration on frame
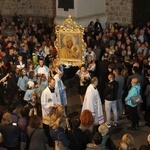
x=69, y=43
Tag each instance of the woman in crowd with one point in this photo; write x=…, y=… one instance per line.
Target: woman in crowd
x=60, y=112
x=57, y=132
x=84, y=82
x=23, y=122
x=78, y=139
x=36, y=134
x=49, y=120
x=90, y=64
x=52, y=70
x=128, y=138
x=133, y=92
x=87, y=122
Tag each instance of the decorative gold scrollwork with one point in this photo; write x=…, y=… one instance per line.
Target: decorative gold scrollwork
x=69, y=43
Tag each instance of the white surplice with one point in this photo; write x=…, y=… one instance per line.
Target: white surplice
x=92, y=102
x=48, y=99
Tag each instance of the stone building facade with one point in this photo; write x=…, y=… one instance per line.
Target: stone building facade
x=39, y=8
x=120, y=11
x=108, y=11
x=111, y=10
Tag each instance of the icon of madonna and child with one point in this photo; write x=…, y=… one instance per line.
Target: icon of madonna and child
x=70, y=48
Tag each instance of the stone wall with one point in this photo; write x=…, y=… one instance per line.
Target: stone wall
x=119, y=11
x=38, y=8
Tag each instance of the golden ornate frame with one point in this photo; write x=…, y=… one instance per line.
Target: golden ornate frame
x=71, y=54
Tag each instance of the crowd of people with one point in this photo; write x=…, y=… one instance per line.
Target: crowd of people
x=116, y=70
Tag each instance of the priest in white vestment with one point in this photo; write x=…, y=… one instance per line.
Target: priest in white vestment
x=92, y=102
x=49, y=97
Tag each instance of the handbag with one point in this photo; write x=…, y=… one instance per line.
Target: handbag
x=59, y=145
x=136, y=99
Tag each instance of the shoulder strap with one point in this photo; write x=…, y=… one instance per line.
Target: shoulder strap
x=31, y=136
x=137, y=91
x=75, y=138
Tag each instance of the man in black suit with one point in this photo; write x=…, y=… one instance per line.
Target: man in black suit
x=12, y=87
x=11, y=58
x=103, y=74
x=104, y=44
x=20, y=64
x=3, y=79
x=98, y=26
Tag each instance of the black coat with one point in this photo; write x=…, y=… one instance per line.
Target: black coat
x=145, y=147
x=18, y=63
x=111, y=90
x=11, y=135
x=38, y=140
x=12, y=87
x=103, y=68
x=98, y=26
x=102, y=76
x=78, y=139
x=11, y=58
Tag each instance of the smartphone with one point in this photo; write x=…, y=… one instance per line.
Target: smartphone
x=14, y=124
